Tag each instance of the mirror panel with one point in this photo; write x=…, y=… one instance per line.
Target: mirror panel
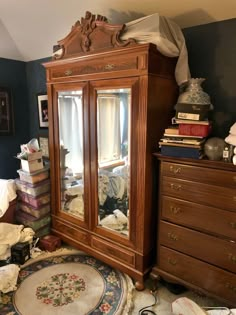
x=70, y=111
x=113, y=148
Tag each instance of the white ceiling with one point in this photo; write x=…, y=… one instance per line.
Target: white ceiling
x=30, y=28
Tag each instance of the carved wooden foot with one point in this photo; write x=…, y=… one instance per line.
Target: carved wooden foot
x=139, y=285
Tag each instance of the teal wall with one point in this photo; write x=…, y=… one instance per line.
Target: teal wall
x=13, y=76
x=212, y=55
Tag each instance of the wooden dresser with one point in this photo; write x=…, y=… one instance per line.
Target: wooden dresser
x=197, y=226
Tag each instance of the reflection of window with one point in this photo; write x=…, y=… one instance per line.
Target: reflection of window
x=112, y=127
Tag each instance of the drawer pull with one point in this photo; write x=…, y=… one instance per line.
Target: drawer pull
x=175, y=186
x=175, y=210
x=175, y=170
x=172, y=262
x=172, y=237
x=233, y=225
x=232, y=258
x=68, y=72
x=109, y=66
x=231, y=287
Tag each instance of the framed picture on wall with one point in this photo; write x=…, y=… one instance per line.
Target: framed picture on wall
x=43, y=144
x=6, y=112
x=43, y=110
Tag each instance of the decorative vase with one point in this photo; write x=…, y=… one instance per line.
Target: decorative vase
x=213, y=148
x=194, y=93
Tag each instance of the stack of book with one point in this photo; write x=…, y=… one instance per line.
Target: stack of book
x=185, y=138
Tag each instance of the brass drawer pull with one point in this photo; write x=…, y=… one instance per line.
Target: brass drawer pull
x=232, y=258
x=109, y=66
x=175, y=170
x=231, y=287
x=175, y=210
x=175, y=186
x=172, y=262
x=172, y=236
x=233, y=225
x=68, y=72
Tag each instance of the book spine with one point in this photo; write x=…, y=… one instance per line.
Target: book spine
x=194, y=130
x=181, y=152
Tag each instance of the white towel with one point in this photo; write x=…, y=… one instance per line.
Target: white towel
x=233, y=129
x=231, y=139
x=8, y=276
x=7, y=194
x=234, y=159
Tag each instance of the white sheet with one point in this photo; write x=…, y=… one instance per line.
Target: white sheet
x=7, y=194
x=166, y=35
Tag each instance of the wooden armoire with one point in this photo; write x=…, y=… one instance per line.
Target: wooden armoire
x=109, y=102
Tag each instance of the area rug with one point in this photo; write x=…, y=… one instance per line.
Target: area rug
x=75, y=284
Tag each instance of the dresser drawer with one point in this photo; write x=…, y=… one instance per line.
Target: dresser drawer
x=199, y=174
x=211, y=195
x=200, y=217
x=196, y=272
x=71, y=232
x=99, y=66
x=208, y=248
x=114, y=251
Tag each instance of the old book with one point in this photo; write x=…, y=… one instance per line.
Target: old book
x=182, y=151
x=195, y=129
x=190, y=121
x=172, y=130
x=194, y=141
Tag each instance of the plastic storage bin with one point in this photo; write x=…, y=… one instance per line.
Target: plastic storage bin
x=34, y=201
x=30, y=221
x=38, y=212
x=33, y=189
x=34, y=177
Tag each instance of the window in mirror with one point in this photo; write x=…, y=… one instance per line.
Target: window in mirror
x=113, y=139
x=70, y=109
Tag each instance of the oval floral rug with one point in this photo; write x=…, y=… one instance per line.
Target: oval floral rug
x=75, y=284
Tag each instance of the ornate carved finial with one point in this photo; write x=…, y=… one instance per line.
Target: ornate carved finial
x=90, y=34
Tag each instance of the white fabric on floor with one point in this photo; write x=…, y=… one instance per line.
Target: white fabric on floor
x=166, y=35
x=8, y=276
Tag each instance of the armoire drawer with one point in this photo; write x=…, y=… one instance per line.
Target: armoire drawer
x=198, y=216
x=198, y=273
x=114, y=251
x=71, y=232
x=215, y=251
x=90, y=67
x=211, y=195
x=199, y=174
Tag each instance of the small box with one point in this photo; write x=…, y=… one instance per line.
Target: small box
x=20, y=253
x=34, y=177
x=49, y=243
x=31, y=166
x=33, y=189
x=34, y=156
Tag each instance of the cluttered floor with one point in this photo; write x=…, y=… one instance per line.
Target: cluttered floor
x=161, y=302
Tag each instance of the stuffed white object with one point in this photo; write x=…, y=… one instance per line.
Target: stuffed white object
x=116, y=221
x=8, y=276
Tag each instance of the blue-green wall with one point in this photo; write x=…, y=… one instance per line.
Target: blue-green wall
x=13, y=76
x=212, y=55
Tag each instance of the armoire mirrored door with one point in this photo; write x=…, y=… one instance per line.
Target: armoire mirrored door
x=71, y=139
x=113, y=153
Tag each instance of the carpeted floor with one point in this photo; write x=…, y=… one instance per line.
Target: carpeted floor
x=96, y=289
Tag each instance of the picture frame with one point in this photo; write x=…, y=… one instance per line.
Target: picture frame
x=6, y=112
x=44, y=145
x=43, y=110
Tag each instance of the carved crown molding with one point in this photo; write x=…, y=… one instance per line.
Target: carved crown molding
x=91, y=34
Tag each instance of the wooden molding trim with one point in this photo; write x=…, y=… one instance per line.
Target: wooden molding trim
x=91, y=34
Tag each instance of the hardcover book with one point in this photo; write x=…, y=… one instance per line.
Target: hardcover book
x=182, y=151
